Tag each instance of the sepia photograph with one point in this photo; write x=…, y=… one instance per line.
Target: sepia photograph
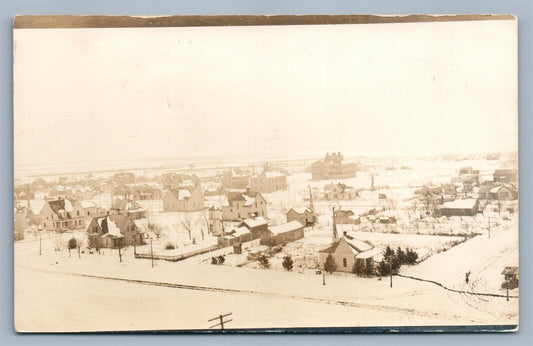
x=265, y=173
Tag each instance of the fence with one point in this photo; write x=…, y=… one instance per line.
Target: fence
x=176, y=258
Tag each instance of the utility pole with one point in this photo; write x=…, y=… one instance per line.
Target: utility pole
x=40, y=243
x=152, y=252
x=221, y=320
x=323, y=277
x=334, y=226
x=390, y=270
x=489, y=227
x=507, y=286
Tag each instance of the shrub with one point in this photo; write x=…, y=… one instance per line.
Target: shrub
x=358, y=268
x=221, y=259
x=72, y=243
x=264, y=262
x=287, y=263
x=169, y=246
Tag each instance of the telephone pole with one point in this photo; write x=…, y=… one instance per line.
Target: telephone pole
x=221, y=320
x=152, y=252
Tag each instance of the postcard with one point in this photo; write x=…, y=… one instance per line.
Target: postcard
x=265, y=173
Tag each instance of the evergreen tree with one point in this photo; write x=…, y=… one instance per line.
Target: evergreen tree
x=288, y=263
x=330, y=266
x=264, y=262
x=358, y=268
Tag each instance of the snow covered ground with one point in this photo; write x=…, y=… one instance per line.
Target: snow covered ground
x=258, y=298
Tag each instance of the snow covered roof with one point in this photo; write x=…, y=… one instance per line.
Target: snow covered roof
x=301, y=210
x=87, y=204
x=112, y=229
x=357, y=246
x=237, y=232
x=368, y=254
x=287, y=227
x=258, y=221
x=468, y=203
x=248, y=201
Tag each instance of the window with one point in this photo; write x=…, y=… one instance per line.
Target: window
x=77, y=213
x=344, y=262
x=88, y=213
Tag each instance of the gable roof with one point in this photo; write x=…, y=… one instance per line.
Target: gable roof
x=357, y=246
x=61, y=208
x=287, y=227
x=468, y=203
x=301, y=210
x=251, y=223
x=248, y=198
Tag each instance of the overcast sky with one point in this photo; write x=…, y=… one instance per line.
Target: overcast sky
x=98, y=95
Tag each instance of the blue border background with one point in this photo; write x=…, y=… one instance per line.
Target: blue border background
x=522, y=9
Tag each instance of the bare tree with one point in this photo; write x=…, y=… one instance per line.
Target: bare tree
x=79, y=243
x=188, y=222
x=155, y=229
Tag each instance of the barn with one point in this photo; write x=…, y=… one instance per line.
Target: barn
x=277, y=235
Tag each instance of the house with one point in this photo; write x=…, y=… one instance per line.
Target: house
x=241, y=205
x=89, y=208
x=235, y=236
x=505, y=192
x=60, y=215
x=333, y=166
x=256, y=226
x=505, y=175
x=346, y=217
x=305, y=215
x=138, y=191
x=459, y=207
x=113, y=231
x=339, y=192
x=126, y=206
x=278, y=235
x=235, y=178
x=214, y=189
x=267, y=182
x=348, y=250
x=189, y=198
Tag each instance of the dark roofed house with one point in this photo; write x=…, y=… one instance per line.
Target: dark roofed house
x=242, y=205
x=60, y=215
x=113, y=231
x=305, y=215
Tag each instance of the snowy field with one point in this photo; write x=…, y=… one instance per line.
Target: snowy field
x=258, y=298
